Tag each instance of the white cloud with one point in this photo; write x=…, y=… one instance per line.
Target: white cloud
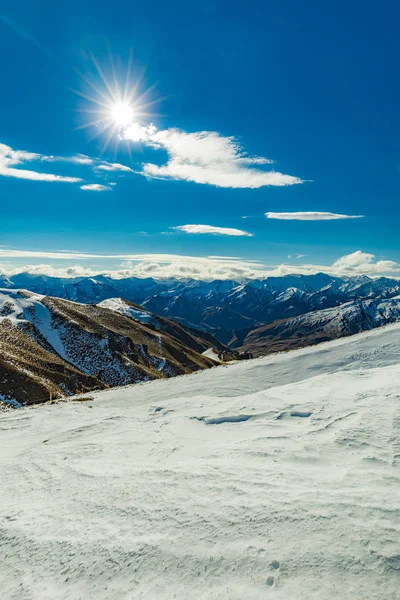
x=96, y=187
x=10, y=158
x=9, y=253
x=297, y=256
x=190, y=267
x=211, y=229
x=309, y=216
x=228, y=257
x=78, y=159
x=206, y=157
x=44, y=269
x=105, y=166
x=81, y=159
x=157, y=266
x=194, y=267
x=363, y=263
x=140, y=133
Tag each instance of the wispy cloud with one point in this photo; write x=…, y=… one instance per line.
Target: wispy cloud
x=77, y=159
x=105, y=166
x=81, y=159
x=37, y=254
x=297, y=256
x=11, y=162
x=96, y=187
x=10, y=158
x=201, y=229
x=206, y=157
x=202, y=268
x=309, y=216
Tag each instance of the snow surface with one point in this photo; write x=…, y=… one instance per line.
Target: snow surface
x=271, y=478
x=210, y=353
x=120, y=306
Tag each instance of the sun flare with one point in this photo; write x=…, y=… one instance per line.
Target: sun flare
x=122, y=114
x=115, y=100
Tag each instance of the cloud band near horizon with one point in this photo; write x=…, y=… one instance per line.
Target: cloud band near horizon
x=195, y=267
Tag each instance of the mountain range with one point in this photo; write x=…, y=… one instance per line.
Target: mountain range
x=229, y=310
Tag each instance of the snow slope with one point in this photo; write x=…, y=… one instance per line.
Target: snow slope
x=138, y=314
x=273, y=478
x=210, y=353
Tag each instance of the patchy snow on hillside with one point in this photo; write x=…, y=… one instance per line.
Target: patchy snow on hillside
x=20, y=306
x=16, y=304
x=271, y=478
x=118, y=305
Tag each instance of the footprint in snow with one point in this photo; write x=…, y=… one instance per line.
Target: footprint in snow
x=301, y=413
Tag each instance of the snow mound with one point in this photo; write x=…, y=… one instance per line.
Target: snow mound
x=210, y=353
x=272, y=478
x=124, y=308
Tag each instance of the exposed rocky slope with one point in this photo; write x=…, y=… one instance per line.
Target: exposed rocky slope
x=53, y=345
x=319, y=326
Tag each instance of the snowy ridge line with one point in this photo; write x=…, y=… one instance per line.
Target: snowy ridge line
x=322, y=325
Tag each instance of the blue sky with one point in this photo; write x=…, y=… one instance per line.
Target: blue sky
x=218, y=90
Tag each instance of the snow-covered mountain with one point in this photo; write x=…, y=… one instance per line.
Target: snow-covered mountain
x=219, y=307
x=319, y=326
x=272, y=478
x=49, y=345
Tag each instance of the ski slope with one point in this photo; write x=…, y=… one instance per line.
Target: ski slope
x=271, y=478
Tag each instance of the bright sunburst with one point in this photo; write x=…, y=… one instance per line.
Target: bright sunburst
x=122, y=114
x=115, y=102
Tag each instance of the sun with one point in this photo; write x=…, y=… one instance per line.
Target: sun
x=122, y=114
x=115, y=99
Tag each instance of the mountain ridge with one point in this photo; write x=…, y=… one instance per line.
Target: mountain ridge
x=53, y=346
x=319, y=326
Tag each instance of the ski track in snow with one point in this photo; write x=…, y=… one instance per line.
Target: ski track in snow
x=272, y=478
